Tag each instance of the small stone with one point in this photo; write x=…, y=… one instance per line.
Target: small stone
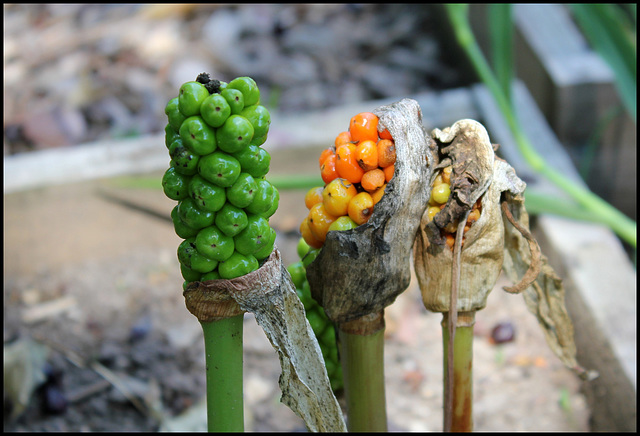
x=502, y=333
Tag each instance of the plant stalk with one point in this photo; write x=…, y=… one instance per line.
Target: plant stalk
x=459, y=417
x=362, y=359
x=223, y=356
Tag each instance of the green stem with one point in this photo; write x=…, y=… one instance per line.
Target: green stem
x=616, y=220
x=362, y=358
x=460, y=416
x=223, y=355
x=296, y=181
x=501, y=36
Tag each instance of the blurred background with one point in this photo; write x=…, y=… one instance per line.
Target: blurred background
x=96, y=333
x=78, y=73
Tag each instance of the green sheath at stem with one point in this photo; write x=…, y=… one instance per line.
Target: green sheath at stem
x=223, y=354
x=461, y=419
x=362, y=358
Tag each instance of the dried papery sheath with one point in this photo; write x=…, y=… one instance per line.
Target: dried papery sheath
x=545, y=295
x=477, y=175
x=271, y=296
x=363, y=270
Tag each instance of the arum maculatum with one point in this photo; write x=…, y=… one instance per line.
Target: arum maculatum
x=228, y=258
x=357, y=272
x=466, y=238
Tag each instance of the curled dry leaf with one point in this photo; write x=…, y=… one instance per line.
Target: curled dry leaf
x=363, y=270
x=271, y=296
x=545, y=295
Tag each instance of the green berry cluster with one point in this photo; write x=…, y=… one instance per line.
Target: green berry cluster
x=217, y=175
x=322, y=327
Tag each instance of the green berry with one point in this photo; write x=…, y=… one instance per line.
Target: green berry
x=255, y=236
x=173, y=114
x=170, y=135
x=175, y=185
x=215, y=110
x=343, y=223
x=213, y=275
x=263, y=198
x=275, y=201
x=237, y=265
x=193, y=216
x=235, y=134
x=249, y=89
x=189, y=275
x=298, y=274
x=317, y=322
x=219, y=168
x=243, y=191
x=302, y=248
x=254, y=160
x=235, y=99
x=189, y=256
x=198, y=136
x=259, y=118
x=182, y=159
x=191, y=97
x=181, y=229
x=268, y=246
x=214, y=244
x=206, y=195
x=310, y=256
x=231, y=220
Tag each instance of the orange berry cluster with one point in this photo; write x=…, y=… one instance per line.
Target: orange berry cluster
x=440, y=192
x=355, y=170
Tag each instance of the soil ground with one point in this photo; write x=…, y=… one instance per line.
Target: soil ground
x=98, y=284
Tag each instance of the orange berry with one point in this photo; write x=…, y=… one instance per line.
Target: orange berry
x=325, y=154
x=385, y=134
x=328, y=170
x=386, y=153
x=388, y=172
x=372, y=180
x=361, y=207
x=364, y=126
x=378, y=193
x=367, y=155
x=319, y=221
x=451, y=240
x=474, y=216
x=336, y=196
x=346, y=164
x=309, y=237
x=342, y=138
x=313, y=196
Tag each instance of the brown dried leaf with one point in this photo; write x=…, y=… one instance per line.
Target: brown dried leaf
x=545, y=296
x=271, y=296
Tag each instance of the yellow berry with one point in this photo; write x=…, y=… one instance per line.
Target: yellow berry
x=336, y=196
x=440, y=193
x=431, y=212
